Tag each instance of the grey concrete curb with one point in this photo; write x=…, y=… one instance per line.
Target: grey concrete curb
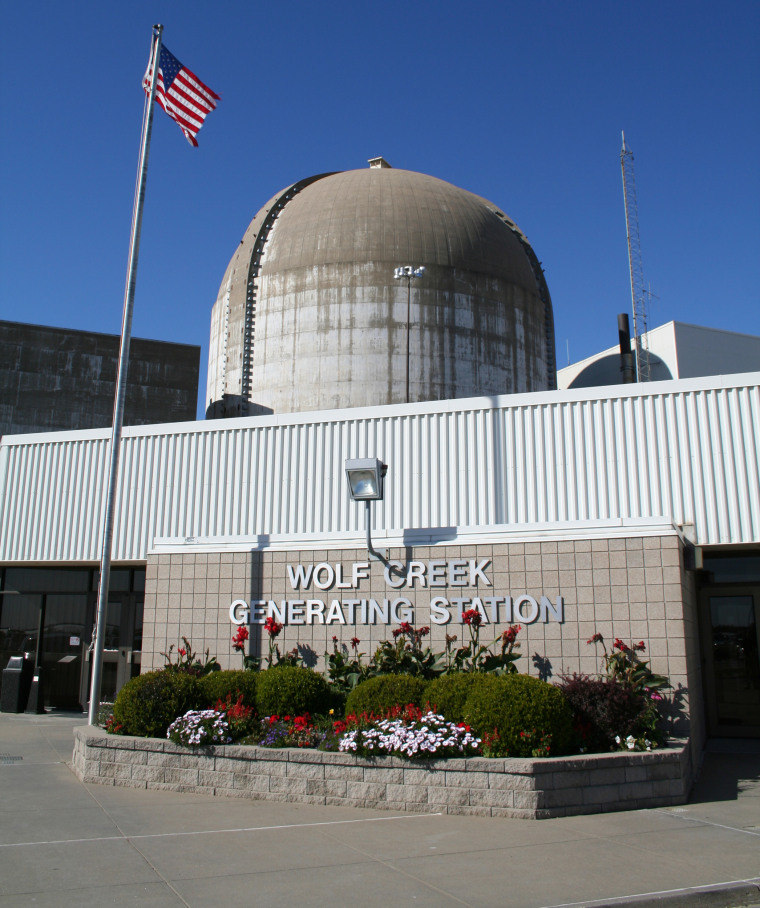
x=745, y=894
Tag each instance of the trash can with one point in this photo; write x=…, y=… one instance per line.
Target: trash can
x=17, y=681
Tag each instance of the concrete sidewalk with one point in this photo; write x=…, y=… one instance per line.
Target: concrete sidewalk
x=65, y=843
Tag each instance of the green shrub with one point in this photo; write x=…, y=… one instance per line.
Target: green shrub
x=291, y=690
x=148, y=704
x=520, y=716
x=449, y=693
x=217, y=685
x=375, y=695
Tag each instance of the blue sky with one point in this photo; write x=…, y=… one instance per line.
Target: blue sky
x=521, y=103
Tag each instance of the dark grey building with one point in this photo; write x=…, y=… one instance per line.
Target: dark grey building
x=55, y=379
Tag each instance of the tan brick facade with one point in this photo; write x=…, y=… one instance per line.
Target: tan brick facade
x=632, y=587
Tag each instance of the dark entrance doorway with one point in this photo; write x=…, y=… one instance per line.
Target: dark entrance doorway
x=121, y=652
x=65, y=600
x=730, y=632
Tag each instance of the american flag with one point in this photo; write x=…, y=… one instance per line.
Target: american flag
x=181, y=94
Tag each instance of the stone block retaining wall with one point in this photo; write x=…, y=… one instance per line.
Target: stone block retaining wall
x=522, y=788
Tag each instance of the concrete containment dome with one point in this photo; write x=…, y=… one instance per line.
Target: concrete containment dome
x=310, y=316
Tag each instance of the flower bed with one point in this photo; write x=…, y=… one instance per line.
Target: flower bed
x=523, y=788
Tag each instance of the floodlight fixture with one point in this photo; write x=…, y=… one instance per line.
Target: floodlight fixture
x=408, y=271
x=365, y=478
x=365, y=483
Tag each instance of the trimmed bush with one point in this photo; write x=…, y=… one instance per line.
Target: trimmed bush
x=604, y=708
x=148, y=704
x=520, y=716
x=291, y=690
x=375, y=695
x=218, y=685
x=448, y=694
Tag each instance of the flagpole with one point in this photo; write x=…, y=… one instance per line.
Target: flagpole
x=121, y=386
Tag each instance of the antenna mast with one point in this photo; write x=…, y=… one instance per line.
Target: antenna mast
x=638, y=293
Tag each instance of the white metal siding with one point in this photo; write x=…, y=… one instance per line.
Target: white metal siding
x=685, y=450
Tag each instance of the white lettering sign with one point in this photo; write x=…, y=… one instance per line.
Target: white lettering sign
x=455, y=572
x=492, y=610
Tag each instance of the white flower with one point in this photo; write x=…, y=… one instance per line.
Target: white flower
x=199, y=727
x=394, y=736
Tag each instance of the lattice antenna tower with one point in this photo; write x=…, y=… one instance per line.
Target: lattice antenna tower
x=638, y=291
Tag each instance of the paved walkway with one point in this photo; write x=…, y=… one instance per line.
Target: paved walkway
x=63, y=843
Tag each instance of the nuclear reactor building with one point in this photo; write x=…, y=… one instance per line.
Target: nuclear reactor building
x=314, y=314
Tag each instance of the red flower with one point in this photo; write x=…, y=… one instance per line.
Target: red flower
x=472, y=616
x=272, y=627
x=423, y=632
x=236, y=710
x=181, y=652
x=597, y=638
x=510, y=634
x=618, y=644
x=355, y=641
x=640, y=646
x=238, y=641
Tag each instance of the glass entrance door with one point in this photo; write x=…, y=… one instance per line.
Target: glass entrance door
x=121, y=650
x=731, y=647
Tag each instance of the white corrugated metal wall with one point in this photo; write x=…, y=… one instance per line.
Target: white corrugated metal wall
x=686, y=450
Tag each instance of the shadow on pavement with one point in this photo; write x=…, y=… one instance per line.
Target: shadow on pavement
x=730, y=768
